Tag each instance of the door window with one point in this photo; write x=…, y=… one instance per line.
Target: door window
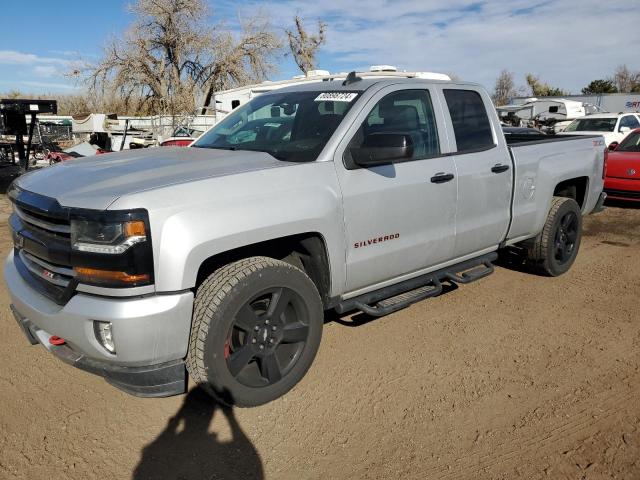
x=629, y=121
x=407, y=112
x=470, y=121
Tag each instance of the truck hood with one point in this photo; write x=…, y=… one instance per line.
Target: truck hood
x=96, y=182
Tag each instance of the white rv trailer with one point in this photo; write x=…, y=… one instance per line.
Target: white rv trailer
x=605, y=102
x=543, y=110
x=226, y=100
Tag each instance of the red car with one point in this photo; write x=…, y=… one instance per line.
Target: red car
x=622, y=179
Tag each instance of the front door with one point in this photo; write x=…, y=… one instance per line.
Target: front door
x=400, y=217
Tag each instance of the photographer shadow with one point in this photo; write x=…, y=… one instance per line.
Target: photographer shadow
x=186, y=449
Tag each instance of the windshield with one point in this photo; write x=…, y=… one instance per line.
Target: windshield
x=630, y=144
x=293, y=126
x=592, y=125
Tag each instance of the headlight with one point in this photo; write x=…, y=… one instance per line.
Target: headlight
x=110, y=238
x=111, y=248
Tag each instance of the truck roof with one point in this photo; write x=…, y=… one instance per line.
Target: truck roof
x=606, y=115
x=363, y=84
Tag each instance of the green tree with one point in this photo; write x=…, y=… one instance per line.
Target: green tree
x=542, y=89
x=600, y=86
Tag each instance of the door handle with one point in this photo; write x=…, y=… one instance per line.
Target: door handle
x=499, y=168
x=442, y=177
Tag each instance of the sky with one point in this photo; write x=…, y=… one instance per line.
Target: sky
x=567, y=43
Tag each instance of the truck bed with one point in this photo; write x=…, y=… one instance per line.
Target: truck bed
x=517, y=140
x=536, y=160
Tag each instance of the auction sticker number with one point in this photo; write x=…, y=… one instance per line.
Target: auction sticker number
x=336, y=97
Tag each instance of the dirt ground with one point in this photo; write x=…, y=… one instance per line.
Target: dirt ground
x=514, y=376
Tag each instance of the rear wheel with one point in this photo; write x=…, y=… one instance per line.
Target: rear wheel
x=257, y=325
x=555, y=249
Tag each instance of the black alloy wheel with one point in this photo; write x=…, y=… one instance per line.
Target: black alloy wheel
x=257, y=325
x=266, y=337
x=565, y=238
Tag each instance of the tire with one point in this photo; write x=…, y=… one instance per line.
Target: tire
x=257, y=325
x=554, y=250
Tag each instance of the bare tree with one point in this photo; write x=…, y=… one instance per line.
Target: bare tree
x=240, y=61
x=170, y=55
x=504, y=89
x=304, y=46
x=626, y=80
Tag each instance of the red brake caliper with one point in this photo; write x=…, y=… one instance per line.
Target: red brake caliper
x=227, y=348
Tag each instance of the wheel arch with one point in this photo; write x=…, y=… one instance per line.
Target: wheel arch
x=575, y=188
x=307, y=251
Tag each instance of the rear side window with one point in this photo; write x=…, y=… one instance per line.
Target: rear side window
x=470, y=121
x=629, y=121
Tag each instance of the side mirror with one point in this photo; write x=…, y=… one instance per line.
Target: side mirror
x=624, y=129
x=382, y=148
x=613, y=146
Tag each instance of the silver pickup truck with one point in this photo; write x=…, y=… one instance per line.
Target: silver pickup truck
x=220, y=259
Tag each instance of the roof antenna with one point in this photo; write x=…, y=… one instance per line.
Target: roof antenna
x=351, y=78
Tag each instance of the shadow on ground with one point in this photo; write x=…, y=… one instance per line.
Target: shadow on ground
x=610, y=202
x=186, y=449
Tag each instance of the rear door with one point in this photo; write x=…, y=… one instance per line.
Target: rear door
x=484, y=171
x=398, y=218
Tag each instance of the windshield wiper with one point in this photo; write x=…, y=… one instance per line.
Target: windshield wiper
x=236, y=149
x=216, y=147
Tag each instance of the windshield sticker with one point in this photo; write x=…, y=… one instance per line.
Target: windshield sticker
x=336, y=97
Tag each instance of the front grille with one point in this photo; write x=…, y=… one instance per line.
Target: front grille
x=42, y=254
x=55, y=274
x=51, y=225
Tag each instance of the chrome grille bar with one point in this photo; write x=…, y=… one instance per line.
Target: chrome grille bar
x=52, y=227
x=56, y=275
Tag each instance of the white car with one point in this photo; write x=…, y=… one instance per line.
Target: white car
x=612, y=126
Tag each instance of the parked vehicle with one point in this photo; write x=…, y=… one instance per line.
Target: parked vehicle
x=219, y=259
x=521, y=131
x=612, y=126
x=182, y=137
x=622, y=181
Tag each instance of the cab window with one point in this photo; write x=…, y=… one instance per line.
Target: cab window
x=471, y=124
x=406, y=112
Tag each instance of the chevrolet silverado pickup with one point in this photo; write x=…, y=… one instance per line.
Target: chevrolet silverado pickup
x=217, y=261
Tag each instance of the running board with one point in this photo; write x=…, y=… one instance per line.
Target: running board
x=396, y=297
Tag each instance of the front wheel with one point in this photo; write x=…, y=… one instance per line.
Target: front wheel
x=257, y=325
x=555, y=249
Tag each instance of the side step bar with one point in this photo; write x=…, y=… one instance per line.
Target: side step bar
x=396, y=297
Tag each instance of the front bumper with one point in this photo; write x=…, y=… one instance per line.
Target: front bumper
x=161, y=380
x=622, y=188
x=151, y=334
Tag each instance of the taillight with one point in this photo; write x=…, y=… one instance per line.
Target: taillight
x=604, y=163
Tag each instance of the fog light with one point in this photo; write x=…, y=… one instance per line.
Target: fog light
x=104, y=334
